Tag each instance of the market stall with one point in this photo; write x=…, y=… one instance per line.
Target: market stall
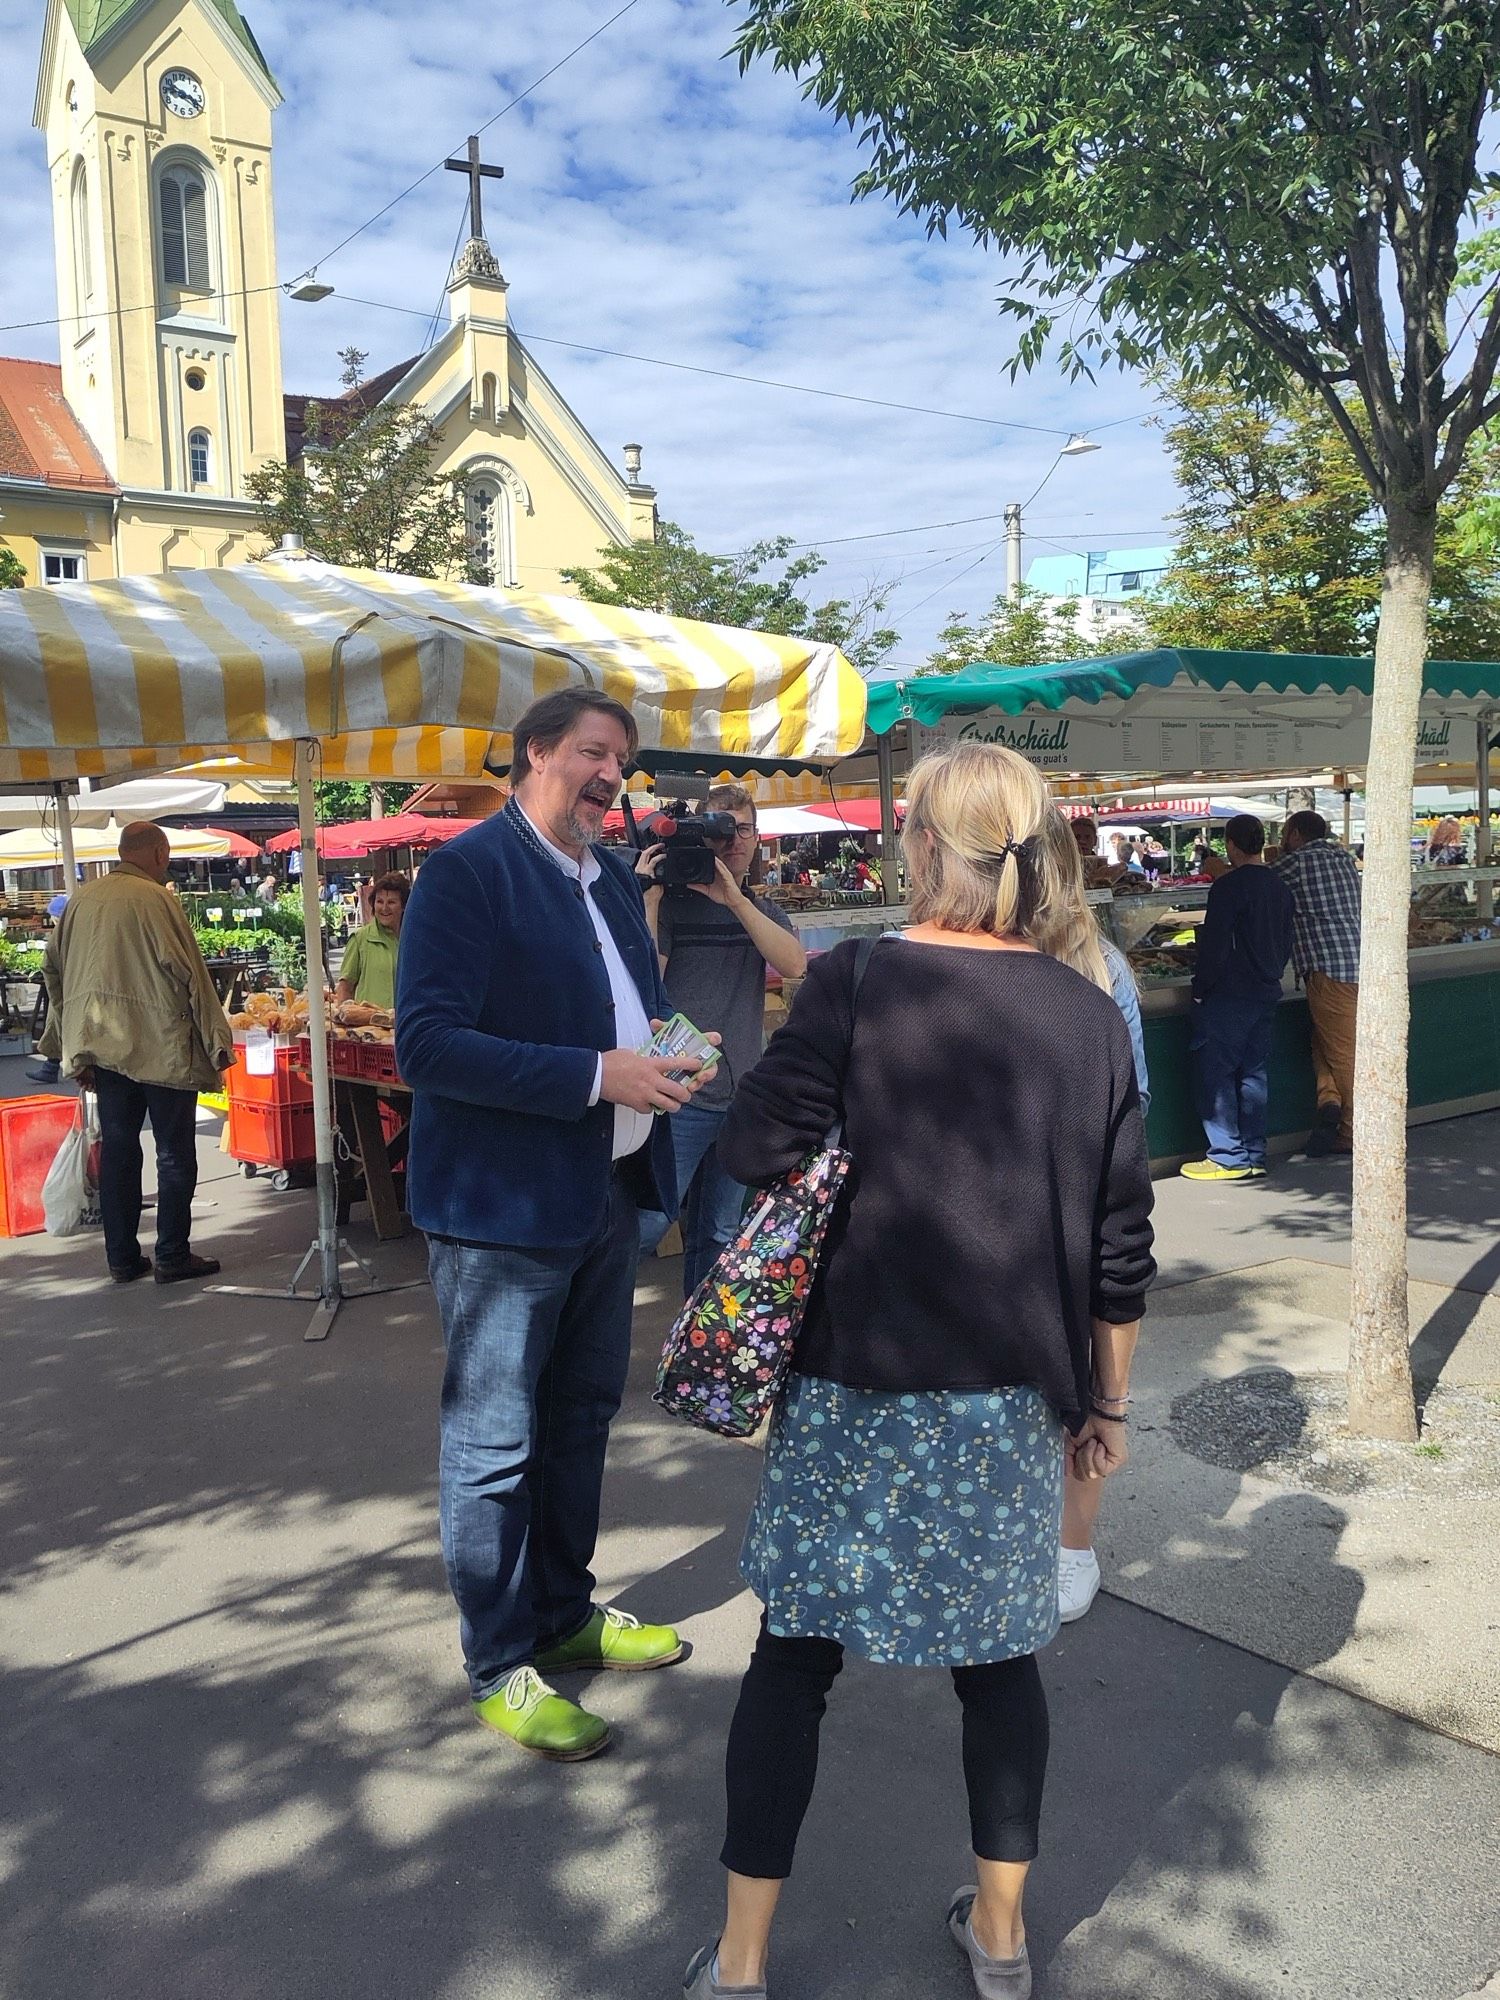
x=293, y=665
x=1172, y=717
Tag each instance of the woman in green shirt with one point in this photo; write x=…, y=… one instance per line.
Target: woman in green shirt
x=368, y=971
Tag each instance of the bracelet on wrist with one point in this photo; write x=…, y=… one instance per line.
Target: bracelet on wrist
x=1114, y=1402
x=1108, y=1416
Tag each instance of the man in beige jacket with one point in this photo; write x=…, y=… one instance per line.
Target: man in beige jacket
x=133, y=1015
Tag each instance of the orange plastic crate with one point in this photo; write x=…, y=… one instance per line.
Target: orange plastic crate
x=31, y=1130
x=283, y=1086
x=271, y=1135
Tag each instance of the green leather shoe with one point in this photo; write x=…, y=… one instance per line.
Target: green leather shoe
x=614, y=1639
x=527, y=1711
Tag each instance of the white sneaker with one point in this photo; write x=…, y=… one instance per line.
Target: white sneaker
x=1077, y=1582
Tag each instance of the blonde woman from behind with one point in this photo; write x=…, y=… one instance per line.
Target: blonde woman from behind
x=970, y=1329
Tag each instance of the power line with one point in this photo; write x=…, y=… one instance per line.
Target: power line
x=913, y=609
x=116, y=312
x=437, y=165
x=774, y=382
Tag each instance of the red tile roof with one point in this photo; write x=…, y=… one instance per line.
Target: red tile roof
x=40, y=438
x=353, y=401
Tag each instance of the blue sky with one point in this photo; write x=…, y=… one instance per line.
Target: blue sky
x=656, y=201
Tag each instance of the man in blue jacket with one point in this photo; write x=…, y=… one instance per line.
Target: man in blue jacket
x=1244, y=943
x=528, y=983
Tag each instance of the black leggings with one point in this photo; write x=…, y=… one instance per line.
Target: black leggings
x=772, y=1760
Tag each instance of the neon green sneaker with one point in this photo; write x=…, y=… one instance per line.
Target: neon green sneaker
x=614, y=1639
x=527, y=1711
x=1210, y=1170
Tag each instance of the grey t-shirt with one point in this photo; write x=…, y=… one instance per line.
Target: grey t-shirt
x=717, y=978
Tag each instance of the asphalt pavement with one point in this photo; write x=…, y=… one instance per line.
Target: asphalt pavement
x=239, y=1762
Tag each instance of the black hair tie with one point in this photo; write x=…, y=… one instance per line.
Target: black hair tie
x=1023, y=853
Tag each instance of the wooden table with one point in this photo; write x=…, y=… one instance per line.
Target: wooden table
x=365, y=1164
x=367, y=1155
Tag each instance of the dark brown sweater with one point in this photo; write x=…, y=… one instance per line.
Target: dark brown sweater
x=999, y=1198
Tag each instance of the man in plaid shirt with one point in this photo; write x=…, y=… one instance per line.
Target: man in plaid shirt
x=1325, y=952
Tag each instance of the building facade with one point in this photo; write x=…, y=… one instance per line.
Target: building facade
x=131, y=454
x=1106, y=586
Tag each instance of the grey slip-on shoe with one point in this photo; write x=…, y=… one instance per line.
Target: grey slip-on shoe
x=994, y=1978
x=698, y=1982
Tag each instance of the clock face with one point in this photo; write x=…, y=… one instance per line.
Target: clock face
x=182, y=93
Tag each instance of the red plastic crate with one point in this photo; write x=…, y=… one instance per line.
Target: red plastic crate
x=271, y=1135
x=344, y=1056
x=31, y=1130
x=377, y=1061
x=283, y=1086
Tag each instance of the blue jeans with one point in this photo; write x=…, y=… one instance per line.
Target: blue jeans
x=124, y=1107
x=709, y=1202
x=1231, y=1043
x=538, y=1347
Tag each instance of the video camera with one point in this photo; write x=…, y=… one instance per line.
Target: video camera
x=689, y=840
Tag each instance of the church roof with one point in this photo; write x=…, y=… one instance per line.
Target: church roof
x=365, y=397
x=97, y=20
x=40, y=438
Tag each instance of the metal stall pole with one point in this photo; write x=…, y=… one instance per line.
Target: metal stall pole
x=1485, y=900
x=889, y=857
x=330, y=1290
x=326, y=1249
x=65, y=842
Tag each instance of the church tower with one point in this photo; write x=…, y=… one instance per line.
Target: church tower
x=157, y=117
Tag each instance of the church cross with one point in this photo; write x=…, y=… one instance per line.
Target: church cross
x=470, y=165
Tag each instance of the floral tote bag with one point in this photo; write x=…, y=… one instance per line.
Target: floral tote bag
x=729, y=1349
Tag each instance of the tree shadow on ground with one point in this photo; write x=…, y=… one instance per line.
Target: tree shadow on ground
x=240, y=1762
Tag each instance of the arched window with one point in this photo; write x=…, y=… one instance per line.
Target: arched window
x=486, y=530
x=492, y=492
x=182, y=212
x=83, y=254
x=199, y=462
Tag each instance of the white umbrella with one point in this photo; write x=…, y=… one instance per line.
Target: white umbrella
x=39, y=847
x=135, y=798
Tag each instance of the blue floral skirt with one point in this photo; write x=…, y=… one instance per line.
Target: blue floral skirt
x=919, y=1530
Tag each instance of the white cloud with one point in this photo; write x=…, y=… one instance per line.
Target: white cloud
x=656, y=201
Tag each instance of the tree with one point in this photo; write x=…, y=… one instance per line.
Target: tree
x=1280, y=542
x=1028, y=630
x=12, y=570
x=673, y=575
x=350, y=798
x=364, y=493
x=1259, y=191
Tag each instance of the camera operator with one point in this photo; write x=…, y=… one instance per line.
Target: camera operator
x=716, y=940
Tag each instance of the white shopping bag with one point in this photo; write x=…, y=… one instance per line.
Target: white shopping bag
x=70, y=1194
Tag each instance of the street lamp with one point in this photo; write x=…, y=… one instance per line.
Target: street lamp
x=1077, y=446
x=310, y=290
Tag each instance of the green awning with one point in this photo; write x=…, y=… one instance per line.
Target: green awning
x=929, y=697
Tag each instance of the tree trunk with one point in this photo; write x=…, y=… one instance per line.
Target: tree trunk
x=1381, y=1400
x=377, y=801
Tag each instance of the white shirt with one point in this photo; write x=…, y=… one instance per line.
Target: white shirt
x=632, y=1022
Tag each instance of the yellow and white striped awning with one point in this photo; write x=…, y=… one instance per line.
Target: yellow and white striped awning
x=395, y=676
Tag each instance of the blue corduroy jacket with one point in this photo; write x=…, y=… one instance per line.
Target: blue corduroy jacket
x=502, y=1009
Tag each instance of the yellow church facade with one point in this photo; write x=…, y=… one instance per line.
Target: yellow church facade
x=131, y=455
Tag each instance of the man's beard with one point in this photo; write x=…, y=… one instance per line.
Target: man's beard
x=583, y=831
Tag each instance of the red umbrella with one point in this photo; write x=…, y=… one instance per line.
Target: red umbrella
x=356, y=837
x=240, y=849
x=861, y=813
x=439, y=830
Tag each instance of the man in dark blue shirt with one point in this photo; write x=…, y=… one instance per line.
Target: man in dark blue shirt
x=1244, y=943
